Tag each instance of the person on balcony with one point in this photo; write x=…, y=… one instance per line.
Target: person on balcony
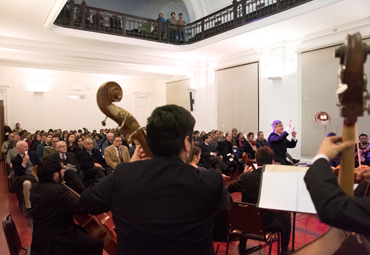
x=181, y=29
x=173, y=27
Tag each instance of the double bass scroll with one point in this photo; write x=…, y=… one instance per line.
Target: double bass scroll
x=110, y=92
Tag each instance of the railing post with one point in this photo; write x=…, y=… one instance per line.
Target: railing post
x=83, y=14
x=235, y=8
x=277, y=5
x=124, y=24
x=244, y=14
x=202, y=26
x=159, y=30
x=168, y=31
x=71, y=13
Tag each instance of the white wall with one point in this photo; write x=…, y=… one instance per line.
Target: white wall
x=54, y=109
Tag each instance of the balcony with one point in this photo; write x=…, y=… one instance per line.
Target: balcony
x=239, y=13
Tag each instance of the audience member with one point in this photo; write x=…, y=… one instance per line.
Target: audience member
x=261, y=141
x=4, y=147
x=53, y=208
x=181, y=29
x=77, y=145
x=173, y=27
x=211, y=157
x=240, y=141
x=279, y=143
x=49, y=150
x=213, y=143
x=23, y=135
x=35, y=142
x=234, y=133
x=222, y=137
x=250, y=146
x=71, y=166
x=98, y=20
x=115, y=23
x=225, y=149
x=12, y=152
x=7, y=131
x=116, y=153
x=248, y=183
x=22, y=165
x=41, y=147
x=162, y=23
x=97, y=139
x=91, y=161
x=334, y=162
x=364, y=147
x=198, y=141
x=196, y=134
x=18, y=127
x=107, y=143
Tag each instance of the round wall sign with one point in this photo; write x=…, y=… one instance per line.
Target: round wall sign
x=322, y=118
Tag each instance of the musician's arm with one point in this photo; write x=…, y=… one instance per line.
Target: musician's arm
x=97, y=198
x=333, y=206
x=68, y=203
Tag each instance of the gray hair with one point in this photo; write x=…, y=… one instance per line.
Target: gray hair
x=59, y=143
x=19, y=144
x=84, y=143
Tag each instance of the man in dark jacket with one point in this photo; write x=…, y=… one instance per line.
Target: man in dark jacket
x=162, y=206
x=279, y=143
x=91, y=161
x=225, y=149
x=53, y=207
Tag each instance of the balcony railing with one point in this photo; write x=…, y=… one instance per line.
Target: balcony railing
x=239, y=13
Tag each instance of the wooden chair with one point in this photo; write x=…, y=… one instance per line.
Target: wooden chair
x=245, y=220
x=12, y=237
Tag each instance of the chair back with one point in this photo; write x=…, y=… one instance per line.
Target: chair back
x=247, y=218
x=11, y=235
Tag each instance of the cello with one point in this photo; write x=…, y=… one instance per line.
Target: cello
x=351, y=97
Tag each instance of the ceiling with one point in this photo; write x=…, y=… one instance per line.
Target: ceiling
x=28, y=38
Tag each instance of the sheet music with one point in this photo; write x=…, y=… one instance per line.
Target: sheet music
x=283, y=188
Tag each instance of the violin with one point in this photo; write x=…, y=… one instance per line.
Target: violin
x=351, y=96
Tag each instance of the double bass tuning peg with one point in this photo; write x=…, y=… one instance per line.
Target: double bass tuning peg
x=104, y=121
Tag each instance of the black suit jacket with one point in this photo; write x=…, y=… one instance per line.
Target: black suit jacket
x=279, y=144
x=87, y=162
x=206, y=150
x=248, y=149
x=225, y=148
x=71, y=159
x=53, y=207
x=160, y=206
x=17, y=163
x=333, y=206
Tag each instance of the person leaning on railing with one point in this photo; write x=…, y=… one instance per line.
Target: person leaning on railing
x=181, y=29
x=173, y=30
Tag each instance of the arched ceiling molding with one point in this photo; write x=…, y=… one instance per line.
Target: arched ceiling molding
x=197, y=9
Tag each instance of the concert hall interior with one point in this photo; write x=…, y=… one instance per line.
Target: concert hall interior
x=275, y=61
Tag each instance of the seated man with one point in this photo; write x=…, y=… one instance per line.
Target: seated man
x=116, y=153
x=71, y=166
x=279, y=143
x=364, y=147
x=91, y=161
x=49, y=150
x=22, y=165
x=107, y=143
x=248, y=183
x=210, y=156
x=53, y=207
x=261, y=141
x=4, y=147
x=41, y=147
x=225, y=149
x=12, y=152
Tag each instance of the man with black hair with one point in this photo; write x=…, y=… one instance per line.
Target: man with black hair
x=53, y=207
x=162, y=206
x=41, y=147
x=364, y=147
x=248, y=183
x=211, y=157
x=49, y=150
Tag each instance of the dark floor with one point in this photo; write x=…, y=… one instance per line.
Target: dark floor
x=307, y=226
